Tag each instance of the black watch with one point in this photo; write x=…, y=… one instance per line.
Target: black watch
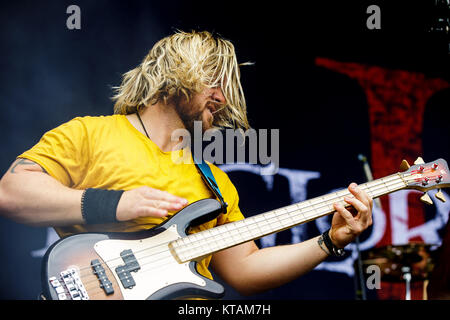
x=334, y=251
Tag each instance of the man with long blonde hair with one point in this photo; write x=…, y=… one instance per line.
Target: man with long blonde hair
x=115, y=173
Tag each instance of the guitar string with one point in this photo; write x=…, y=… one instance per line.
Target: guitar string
x=287, y=213
x=154, y=268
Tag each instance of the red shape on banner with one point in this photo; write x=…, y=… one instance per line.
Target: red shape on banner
x=396, y=101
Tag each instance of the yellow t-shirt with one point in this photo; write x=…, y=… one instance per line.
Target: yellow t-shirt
x=108, y=152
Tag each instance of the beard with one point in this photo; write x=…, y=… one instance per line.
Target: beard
x=189, y=116
x=195, y=110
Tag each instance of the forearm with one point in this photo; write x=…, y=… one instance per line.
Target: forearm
x=35, y=198
x=272, y=267
x=251, y=270
x=29, y=195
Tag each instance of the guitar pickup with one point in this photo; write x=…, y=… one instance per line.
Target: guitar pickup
x=99, y=271
x=124, y=271
x=131, y=263
x=125, y=277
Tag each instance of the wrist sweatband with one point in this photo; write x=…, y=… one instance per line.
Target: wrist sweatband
x=100, y=206
x=334, y=251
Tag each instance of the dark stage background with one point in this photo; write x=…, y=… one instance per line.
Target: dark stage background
x=334, y=89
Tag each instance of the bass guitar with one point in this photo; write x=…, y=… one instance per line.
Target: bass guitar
x=160, y=263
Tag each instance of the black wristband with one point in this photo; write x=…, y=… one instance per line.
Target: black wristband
x=100, y=206
x=334, y=251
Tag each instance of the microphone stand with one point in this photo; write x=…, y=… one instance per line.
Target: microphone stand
x=361, y=294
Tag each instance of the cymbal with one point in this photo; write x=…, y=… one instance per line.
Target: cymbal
x=418, y=258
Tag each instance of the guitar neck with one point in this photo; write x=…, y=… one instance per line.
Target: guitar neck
x=201, y=244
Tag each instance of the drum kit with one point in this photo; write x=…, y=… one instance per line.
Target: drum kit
x=402, y=263
x=412, y=262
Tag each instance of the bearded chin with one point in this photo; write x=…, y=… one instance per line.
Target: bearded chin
x=189, y=121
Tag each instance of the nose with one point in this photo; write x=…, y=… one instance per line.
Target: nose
x=217, y=95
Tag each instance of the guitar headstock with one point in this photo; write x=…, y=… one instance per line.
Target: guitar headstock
x=426, y=176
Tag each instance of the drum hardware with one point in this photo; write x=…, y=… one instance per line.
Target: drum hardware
x=407, y=263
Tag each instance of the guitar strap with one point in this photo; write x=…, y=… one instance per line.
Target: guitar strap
x=210, y=181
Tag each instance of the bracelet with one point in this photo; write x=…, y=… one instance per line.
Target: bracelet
x=100, y=206
x=334, y=251
x=320, y=242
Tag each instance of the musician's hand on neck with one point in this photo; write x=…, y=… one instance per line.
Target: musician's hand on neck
x=350, y=222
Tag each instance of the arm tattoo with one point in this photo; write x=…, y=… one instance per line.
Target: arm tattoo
x=25, y=162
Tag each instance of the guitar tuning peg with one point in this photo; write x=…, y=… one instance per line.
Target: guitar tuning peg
x=426, y=199
x=419, y=160
x=439, y=195
x=404, y=165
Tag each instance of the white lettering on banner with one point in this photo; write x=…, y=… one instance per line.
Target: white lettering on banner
x=428, y=231
x=398, y=205
x=298, y=181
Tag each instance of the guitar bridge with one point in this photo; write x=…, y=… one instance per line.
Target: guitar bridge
x=69, y=286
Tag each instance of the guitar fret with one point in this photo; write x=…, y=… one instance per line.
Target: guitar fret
x=254, y=231
x=384, y=183
x=289, y=215
x=246, y=229
x=257, y=224
x=280, y=217
x=369, y=190
x=294, y=215
x=234, y=233
x=284, y=218
x=313, y=205
x=273, y=221
x=213, y=244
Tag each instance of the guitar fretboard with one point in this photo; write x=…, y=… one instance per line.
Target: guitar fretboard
x=198, y=245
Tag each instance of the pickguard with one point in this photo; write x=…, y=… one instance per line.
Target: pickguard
x=158, y=266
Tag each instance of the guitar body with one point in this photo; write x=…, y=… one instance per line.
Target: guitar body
x=129, y=266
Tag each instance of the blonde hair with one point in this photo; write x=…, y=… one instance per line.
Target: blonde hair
x=184, y=64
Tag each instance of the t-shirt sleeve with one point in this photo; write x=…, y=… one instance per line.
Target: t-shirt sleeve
x=63, y=152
